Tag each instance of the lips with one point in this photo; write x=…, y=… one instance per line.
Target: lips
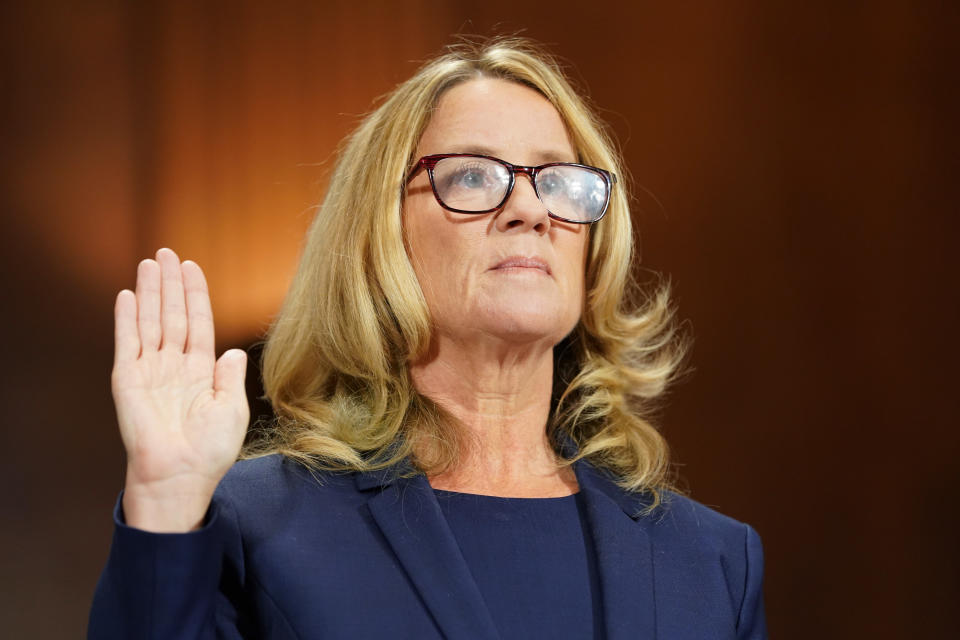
x=523, y=262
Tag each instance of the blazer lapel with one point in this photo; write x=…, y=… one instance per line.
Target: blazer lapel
x=408, y=514
x=624, y=556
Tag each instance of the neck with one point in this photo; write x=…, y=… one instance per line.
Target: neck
x=501, y=398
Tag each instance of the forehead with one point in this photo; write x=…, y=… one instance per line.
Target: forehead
x=500, y=118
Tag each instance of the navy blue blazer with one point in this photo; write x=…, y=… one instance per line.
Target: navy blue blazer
x=286, y=553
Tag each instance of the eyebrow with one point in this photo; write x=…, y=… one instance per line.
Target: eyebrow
x=542, y=156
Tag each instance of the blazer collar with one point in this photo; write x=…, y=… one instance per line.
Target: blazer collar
x=624, y=554
x=408, y=514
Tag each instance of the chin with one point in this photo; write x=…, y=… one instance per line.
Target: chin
x=522, y=328
x=519, y=316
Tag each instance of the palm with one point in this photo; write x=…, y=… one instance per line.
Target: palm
x=182, y=413
x=174, y=422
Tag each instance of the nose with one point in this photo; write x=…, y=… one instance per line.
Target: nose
x=523, y=209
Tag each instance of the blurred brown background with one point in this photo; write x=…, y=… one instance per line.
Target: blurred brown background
x=797, y=163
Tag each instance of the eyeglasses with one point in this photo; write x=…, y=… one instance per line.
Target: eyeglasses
x=470, y=183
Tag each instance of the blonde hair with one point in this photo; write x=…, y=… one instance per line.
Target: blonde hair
x=335, y=365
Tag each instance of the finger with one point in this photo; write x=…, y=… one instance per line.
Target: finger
x=126, y=339
x=148, y=305
x=200, y=333
x=173, y=310
x=230, y=374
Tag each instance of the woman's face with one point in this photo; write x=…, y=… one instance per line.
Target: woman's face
x=514, y=274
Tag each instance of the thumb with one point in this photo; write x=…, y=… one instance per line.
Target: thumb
x=230, y=373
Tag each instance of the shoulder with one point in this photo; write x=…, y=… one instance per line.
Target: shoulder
x=694, y=532
x=274, y=476
x=264, y=473
x=681, y=531
x=695, y=544
x=681, y=513
x=273, y=488
x=676, y=518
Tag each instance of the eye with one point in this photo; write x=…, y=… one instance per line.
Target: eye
x=471, y=175
x=458, y=177
x=550, y=184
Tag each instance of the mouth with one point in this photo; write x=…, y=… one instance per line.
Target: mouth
x=521, y=262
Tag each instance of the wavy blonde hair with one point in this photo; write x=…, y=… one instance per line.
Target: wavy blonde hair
x=336, y=359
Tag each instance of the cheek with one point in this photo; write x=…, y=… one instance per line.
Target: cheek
x=575, y=256
x=420, y=243
x=418, y=251
x=436, y=253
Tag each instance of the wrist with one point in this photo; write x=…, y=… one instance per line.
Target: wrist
x=168, y=507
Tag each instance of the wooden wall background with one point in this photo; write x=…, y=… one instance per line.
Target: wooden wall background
x=798, y=169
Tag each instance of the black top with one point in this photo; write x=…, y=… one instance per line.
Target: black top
x=533, y=561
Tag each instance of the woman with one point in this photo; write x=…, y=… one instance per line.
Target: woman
x=460, y=449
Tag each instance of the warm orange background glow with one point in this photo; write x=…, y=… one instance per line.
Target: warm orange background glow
x=794, y=165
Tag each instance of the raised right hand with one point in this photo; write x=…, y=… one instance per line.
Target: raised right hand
x=182, y=413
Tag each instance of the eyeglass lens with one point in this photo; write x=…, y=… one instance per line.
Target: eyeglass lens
x=478, y=184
